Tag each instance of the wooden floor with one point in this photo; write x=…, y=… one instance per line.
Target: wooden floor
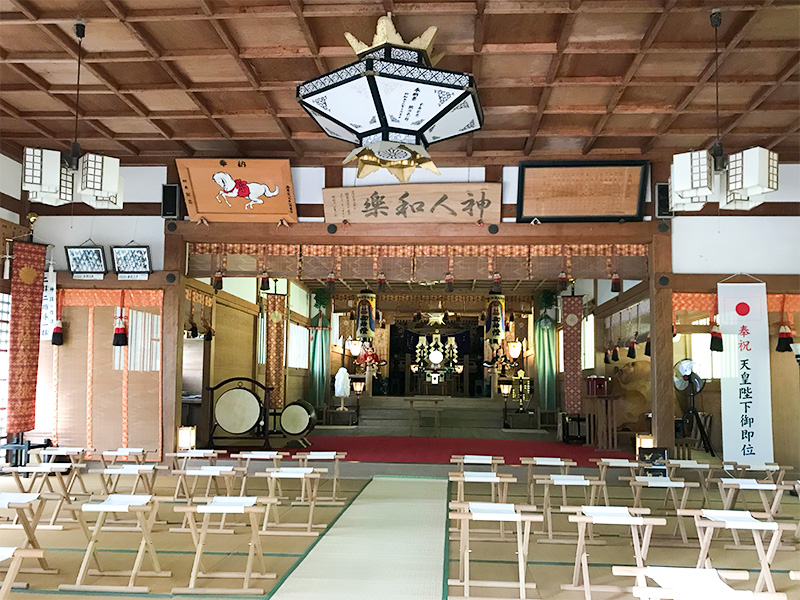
x=549, y=565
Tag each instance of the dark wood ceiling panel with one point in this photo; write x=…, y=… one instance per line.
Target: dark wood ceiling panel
x=557, y=79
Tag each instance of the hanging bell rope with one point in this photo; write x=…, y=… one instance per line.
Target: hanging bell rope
x=120, y=330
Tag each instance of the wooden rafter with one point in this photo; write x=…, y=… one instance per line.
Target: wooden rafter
x=555, y=64
x=746, y=22
x=649, y=37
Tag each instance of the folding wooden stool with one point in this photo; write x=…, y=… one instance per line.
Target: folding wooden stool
x=110, y=477
x=465, y=512
x=550, y=463
x=641, y=528
x=708, y=521
x=213, y=473
x=730, y=488
x=773, y=472
x=42, y=473
x=310, y=477
x=477, y=459
x=244, y=459
x=180, y=460
x=498, y=483
x=304, y=458
x=604, y=464
x=76, y=456
x=137, y=455
x=16, y=556
x=253, y=507
x=640, y=482
x=28, y=520
x=702, y=470
x=144, y=507
x=589, y=486
x=681, y=583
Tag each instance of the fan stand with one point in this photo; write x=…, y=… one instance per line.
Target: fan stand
x=692, y=410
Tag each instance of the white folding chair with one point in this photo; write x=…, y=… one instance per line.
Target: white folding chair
x=16, y=556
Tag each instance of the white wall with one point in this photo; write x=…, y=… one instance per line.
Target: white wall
x=143, y=184
x=103, y=231
x=769, y=245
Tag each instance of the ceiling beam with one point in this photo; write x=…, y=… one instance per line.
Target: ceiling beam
x=249, y=72
x=14, y=113
x=649, y=37
x=311, y=42
x=746, y=21
x=565, y=32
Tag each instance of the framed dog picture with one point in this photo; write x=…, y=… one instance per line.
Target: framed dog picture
x=238, y=190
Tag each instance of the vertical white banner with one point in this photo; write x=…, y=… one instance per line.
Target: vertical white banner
x=745, y=381
x=48, y=305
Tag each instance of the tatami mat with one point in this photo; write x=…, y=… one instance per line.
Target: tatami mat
x=387, y=545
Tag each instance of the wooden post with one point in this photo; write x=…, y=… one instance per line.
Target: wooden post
x=172, y=334
x=663, y=394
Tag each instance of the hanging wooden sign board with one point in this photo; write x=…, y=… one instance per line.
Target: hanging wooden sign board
x=416, y=203
x=255, y=190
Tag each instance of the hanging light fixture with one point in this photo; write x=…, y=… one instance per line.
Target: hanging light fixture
x=392, y=104
x=53, y=178
x=701, y=176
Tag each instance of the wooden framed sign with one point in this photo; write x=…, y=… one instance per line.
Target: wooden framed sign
x=415, y=203
x=229, y=189
x=582, y=190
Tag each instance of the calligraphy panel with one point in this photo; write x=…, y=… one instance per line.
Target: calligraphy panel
x=416, y=203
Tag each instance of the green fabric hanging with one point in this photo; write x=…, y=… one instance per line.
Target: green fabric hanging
x=320, y=359
x=545, y=338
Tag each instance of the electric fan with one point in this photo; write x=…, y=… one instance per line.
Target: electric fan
x=689, y=383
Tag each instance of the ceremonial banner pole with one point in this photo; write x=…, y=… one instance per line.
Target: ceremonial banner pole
x=745, y=381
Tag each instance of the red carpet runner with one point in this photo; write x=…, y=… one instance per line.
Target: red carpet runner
x=439, y=450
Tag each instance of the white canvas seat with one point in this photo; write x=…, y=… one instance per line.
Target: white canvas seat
x=305, y=458
x=28, y=508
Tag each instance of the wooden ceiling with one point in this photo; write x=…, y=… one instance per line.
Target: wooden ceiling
x=557, y=78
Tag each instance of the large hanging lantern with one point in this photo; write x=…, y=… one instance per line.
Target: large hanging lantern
x=365, y=316
x=392, y=103
x=495, y=327
x=55, y=179
x=751, y=174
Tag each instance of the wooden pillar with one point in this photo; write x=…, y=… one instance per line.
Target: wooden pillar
x=663, y=395
x=172, y=334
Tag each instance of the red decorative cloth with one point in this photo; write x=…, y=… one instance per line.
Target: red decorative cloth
x=572, y=305
x=27, y=281
x=241, y=187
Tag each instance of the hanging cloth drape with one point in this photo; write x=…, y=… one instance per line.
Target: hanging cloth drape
x=320, y=359
x=545, y=338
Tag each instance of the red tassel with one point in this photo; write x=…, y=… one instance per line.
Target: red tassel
x=381, y=281
x=785, y=339
x=58, y=334
x=631, y=349
x=615, y=354
x=607, y=357
x=448, y=282
x=120, y=333
x=716, y=339
x=496, y=283
x=561, y=284
x=216, y=281
x=647, y=347
x=330, y=282
x=616, y=283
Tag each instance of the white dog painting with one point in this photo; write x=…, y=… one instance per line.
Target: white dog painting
x=239, y=188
